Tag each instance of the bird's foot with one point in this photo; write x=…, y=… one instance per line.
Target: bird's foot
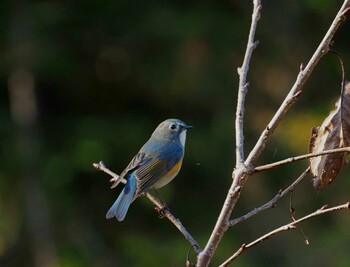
x=161, y=211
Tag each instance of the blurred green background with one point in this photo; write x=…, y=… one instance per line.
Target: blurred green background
x=84, y=81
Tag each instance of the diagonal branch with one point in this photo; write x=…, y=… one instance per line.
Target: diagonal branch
x=165, y=212
x=297, y=88
x=243, y=85
x=289, y=226
x=306, y=156
x=272, y=202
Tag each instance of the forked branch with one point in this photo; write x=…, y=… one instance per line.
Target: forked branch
x=297, y=88
x=242, y=170
x=221, y=226
x=270, y=203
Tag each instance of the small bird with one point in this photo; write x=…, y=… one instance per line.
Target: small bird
x=154, y=166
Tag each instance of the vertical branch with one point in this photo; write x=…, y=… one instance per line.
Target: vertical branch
x=221, y=226
x=243, y=85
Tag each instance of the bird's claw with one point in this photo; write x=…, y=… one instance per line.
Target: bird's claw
x=161, y=211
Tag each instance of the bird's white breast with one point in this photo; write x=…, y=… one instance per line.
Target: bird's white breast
x=183, y=138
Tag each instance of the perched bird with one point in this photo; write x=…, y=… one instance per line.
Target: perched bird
x=154, y=166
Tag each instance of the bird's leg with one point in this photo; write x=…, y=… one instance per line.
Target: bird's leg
x=164, y=205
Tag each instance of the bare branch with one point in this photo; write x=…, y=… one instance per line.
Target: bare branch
x=293, y=159
x=272, y=202
x=297, y=88
x=289, y=226
x=116, y=178
x=243, y=85
x=240, y=174
x=222, y=223
x=165, y=211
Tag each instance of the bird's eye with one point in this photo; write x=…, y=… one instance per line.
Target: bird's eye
x=172, y=126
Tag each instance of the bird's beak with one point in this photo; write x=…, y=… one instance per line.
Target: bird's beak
x=188, y=127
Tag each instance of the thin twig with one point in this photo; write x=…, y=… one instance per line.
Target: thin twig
x=243, y=85
x=221, y=226
x=289, y=226
x=165, y=211
x=292, y=215
x=272, y=202
x=306, y=156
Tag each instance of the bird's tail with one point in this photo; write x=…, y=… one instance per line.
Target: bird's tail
x=121, y=205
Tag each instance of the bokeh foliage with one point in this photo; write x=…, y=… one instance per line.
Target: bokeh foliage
x=107, y=72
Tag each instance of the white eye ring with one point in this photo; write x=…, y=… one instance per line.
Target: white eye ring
x=172, y=126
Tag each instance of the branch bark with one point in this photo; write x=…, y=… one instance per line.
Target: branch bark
x=297, y=158
x=297, y=88
x=272, y=202
x=165, y=212
x=221, y=226
x=289, y=226
x=240, y=174
x=243, y=85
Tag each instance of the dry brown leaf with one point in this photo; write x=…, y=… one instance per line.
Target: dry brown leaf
x=333, y=133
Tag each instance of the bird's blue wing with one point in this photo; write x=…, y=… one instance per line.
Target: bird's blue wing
x=137, y=161
x=150, y=173
x=156, y=164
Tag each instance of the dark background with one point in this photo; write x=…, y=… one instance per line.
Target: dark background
x=84, y=81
